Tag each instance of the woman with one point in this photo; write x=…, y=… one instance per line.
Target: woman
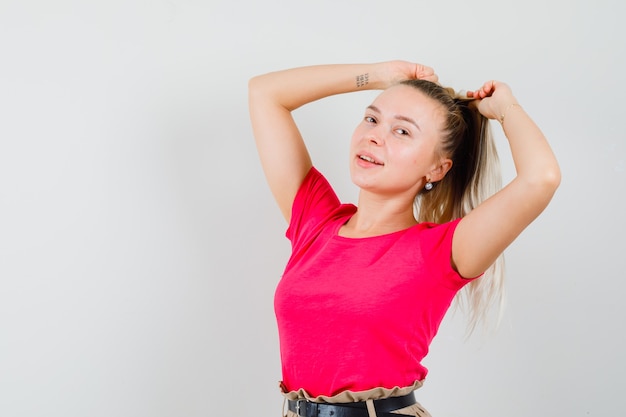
x=366, y=286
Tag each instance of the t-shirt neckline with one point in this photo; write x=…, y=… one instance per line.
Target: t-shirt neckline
x=343, y=220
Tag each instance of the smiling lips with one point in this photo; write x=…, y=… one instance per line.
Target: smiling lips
x=369, y=159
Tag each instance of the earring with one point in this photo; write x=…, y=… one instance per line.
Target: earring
x=428, y=186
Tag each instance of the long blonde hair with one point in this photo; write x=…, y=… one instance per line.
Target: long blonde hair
x=475, y=176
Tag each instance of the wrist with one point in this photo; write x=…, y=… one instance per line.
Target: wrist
x=370, y=77
x=506, y=110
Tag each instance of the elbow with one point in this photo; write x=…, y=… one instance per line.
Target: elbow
x=253, y=86
x=546, y=174
x=260, y=86
x=255, y=81
x=263, y=93
x=542, y=181
x=548, y=178
x=553, y=178
x=546, y=181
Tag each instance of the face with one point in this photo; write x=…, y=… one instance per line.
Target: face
x=395, y=147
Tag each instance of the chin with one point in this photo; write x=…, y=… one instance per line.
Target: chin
x=361, y=182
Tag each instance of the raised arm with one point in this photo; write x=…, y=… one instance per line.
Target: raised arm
x=486, y=231
x=273, y=96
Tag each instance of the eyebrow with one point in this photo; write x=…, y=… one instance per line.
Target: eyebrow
x=397, y=116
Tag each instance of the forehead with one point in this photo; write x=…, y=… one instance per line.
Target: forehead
x=404, y=100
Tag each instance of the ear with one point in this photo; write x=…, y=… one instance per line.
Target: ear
x=440, y=170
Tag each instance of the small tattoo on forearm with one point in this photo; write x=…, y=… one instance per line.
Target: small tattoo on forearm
x=362, y=80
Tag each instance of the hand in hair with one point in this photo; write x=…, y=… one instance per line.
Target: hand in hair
x=494, y=97
x=394, y=72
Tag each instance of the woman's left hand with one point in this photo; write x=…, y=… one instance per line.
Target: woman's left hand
x=493, y=98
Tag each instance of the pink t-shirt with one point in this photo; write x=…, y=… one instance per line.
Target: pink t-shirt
x=359, y=313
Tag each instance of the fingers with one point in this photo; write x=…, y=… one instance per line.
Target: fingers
x=424, y=72
x=433, y=78
x=486, y=90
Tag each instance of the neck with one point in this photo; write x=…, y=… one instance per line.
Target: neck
x=378, y=217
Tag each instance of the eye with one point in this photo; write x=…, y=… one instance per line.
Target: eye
x=369, y=119
x=402, y=132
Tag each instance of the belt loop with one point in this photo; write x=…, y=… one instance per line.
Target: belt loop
x=371, y=410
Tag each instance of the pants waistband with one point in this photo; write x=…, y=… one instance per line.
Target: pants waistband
x=304, y=408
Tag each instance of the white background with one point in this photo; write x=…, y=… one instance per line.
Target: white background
x=140, y=246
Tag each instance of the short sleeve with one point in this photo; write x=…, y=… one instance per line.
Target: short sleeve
x=314, y=201
x=438, y=249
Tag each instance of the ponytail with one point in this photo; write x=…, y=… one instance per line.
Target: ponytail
x=484, y=179
x=474, y=176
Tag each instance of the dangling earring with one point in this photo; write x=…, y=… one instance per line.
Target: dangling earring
x=428, y=186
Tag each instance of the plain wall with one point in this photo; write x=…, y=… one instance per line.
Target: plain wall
x=140, y=246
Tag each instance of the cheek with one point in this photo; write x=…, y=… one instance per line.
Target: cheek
x=412, y=156
x=355, y=136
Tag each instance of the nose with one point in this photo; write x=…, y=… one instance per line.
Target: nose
x=376, y=136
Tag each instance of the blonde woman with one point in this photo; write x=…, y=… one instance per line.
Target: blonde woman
x=367, y=285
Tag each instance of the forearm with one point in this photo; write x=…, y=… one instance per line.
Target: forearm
x=295, y=87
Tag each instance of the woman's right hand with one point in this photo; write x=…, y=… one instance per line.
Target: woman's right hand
x=392, y=72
